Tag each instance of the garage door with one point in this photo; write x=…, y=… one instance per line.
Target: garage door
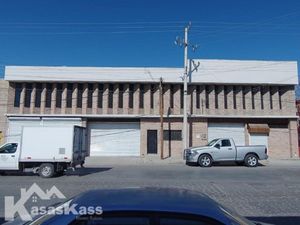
x=259, y=139
x=114, y=139
x=227, y=130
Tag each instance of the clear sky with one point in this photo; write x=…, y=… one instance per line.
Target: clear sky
x=142, y=33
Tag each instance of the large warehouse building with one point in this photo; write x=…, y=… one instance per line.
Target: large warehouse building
x=251, y=101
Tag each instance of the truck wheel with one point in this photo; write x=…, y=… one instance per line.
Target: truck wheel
x=205, y=161
x=46, y=170
x=251, y=160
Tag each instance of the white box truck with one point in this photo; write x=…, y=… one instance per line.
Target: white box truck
x=48, y=151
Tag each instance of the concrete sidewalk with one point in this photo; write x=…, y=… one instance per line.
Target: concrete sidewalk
x=114, y=161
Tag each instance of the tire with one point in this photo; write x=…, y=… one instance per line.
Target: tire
x=46, y=170
x=251, y=160
x=205, y=160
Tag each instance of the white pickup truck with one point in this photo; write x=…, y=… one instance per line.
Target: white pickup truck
x=48, y=151
x=224, y=149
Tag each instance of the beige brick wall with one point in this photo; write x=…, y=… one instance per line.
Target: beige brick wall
x=4, y=86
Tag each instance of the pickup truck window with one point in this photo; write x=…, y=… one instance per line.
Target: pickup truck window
x=226, y=143
x=212, y=142
x=9, y=148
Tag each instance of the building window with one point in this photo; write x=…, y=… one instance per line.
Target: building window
x=234, y=96
x=225, y=97
x=110, y=96
x=28, y=92
x=280, y=93
x=131, y=91
x=100, y=95
x=216, y=97
x=69, y=95
x=244, y=97
x=271, y=97
x=90, y=96
x=79, y=95
x=198, y=97
x=181, y=96
x=18, y=91
x=38, y=95
x=120, y=98
x=262, y=92
x=48, y=95
x=207, y=97
x=142, y=91
x=152, y=90
x=59, y=90
x=172, y=135
x=171, y=96
x=253, y=92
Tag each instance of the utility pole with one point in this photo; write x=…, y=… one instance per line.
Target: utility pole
x=185, y=89
x=187, y=74
x=161, y=112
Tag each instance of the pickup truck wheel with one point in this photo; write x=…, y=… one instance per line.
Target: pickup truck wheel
x=251, y=160
x=205, y=161
x=46, y=170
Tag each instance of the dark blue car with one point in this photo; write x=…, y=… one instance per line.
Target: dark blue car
x=141, y=206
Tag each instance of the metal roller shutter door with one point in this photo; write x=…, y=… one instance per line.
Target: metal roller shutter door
x=227, y=130
x=114, y=139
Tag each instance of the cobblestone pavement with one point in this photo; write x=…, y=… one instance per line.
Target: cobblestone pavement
x=263, y=193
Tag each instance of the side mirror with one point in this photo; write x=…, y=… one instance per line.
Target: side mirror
x=218, y=146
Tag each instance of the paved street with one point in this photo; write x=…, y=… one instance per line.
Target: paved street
x=268, y=193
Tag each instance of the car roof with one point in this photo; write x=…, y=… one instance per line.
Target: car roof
x=152, y=199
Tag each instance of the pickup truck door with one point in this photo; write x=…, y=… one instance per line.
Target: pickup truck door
x=9, y=159
x=226, y=151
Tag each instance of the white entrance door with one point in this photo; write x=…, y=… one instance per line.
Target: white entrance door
x=227, y=130
x=259, y=139
x=114, y=139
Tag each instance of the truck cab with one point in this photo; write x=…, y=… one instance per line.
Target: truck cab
x=9, y=156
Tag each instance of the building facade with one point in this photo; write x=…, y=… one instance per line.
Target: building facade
x=251, y=101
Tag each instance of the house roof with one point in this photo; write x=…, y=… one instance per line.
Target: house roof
x=209, y=71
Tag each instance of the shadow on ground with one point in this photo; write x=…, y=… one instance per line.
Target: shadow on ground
x=277, y=220
x=223, y=164
x=78, y=172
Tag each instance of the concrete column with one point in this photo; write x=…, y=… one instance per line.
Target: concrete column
x=64, y=98
x=84, y=98
x=194, y=100
x=156, y=100
x=288, y=100
x=53, y=99
x=275, y=99
x=293, y=133
x=147, y=96
x=257, y=99
x=266, y=100
x=43, y=99
x=116, y=99
x=248, y=99
x=176, y=94
x=167, y=97
x=211, y=97
x=136, y=99
x=32, y=99
x=230, y=98
x=239, y=100
x=126, y=99
x=74, y=98
x=22, y=99
x=105, y=99
x=202, y=99
x=95, y=98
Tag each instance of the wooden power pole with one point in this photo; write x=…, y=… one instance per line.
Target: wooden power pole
x=161, y=112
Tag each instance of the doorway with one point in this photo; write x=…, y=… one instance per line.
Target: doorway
x=151, y=141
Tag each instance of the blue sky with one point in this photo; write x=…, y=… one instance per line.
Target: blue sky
x=142, y=33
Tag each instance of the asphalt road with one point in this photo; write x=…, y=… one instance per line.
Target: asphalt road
x=266, y=193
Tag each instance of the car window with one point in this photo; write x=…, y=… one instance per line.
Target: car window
x=225, y=143
x=9, y=148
